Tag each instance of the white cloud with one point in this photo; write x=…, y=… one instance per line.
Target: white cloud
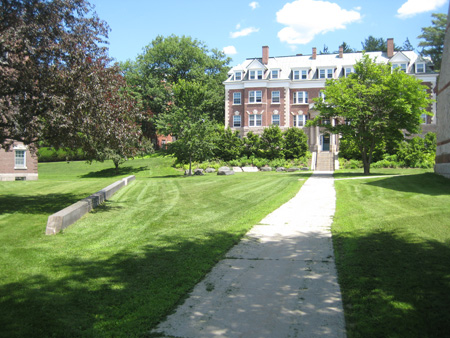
x=254, y=5
x=229, y=50
x=307, y=18
x=244, y=32
x=413, y=7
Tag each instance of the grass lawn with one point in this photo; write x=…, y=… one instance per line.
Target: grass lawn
x=123, y=267
x=392, y=242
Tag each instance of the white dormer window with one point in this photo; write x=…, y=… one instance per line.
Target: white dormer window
x=300, y=74
x=256, y=74
x=326, y=73
x=238, y=76
x=402, y=66
x=420, y=67
x=275, y=74
x=348, y=71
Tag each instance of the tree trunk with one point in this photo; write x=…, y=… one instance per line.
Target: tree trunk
x=116, y=164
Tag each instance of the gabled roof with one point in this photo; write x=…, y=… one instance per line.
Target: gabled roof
x=256, y=64
x=399, y=57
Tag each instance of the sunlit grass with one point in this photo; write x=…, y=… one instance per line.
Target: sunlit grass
x=124, y=266
x=392, y=241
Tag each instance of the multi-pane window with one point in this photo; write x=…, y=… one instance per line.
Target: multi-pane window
x=348, y=71
x=276, y=96
x=301, y=74
x=237, y=98
x=255, y=120
x=300, y=97
x=238, y=76
x=274, y=74
x=420, y=68
x=255, y=96
x=236, y=121
x=402, y=66
x=256, y=75
x=322, y=95
x=326, y=73
x=300, y=120
x=19, y=158
x=276, y=120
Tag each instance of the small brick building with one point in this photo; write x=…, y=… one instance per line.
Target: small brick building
x=18, y=163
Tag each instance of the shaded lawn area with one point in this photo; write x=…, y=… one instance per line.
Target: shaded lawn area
x=122, y=268
x=392, y=242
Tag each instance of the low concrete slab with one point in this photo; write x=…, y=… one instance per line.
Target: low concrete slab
x=279, y=281
x=250, y=169
x=67, y=216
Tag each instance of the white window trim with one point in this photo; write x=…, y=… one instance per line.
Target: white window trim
x=254, y=74
x=345, y=70
x=299, y=121
x=326, y=72
x=235, y=75
x=255, y=96
x=24, y=166
x=304, y=97
x=424, y=67
x=240, y=98
x=279, y=96
x=234, y=120
x=256, y=118
x=399, y=65
x=278, y=118
x=300, y=74
x=278, y=74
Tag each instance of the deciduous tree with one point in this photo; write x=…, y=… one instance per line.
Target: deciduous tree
x=168, y=60
x=187, y=119
x=373, y=105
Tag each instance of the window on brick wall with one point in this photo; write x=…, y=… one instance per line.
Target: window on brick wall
x=255, y=96
x=276, y=96
x=276, y=120
x=236, y=121
x=19, y=159
x=237, y=98
x=255, y=120
x=300, y=97
x=300, y=120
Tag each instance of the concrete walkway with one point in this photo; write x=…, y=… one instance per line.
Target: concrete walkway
x=279, y=281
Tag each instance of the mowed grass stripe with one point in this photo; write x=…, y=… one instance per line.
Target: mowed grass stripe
x=392, y=242
x=122, y=268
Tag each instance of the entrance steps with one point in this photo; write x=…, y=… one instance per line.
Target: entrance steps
x=325, y=161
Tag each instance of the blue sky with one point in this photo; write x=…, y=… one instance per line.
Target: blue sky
x=242, y=27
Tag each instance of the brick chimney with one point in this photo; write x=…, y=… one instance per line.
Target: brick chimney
x=265, y=55
x=341, y=52
x=390, y=47
x=314, y=55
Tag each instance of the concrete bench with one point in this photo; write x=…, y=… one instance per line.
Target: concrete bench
x=67, y=216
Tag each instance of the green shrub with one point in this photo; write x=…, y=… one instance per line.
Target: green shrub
x=295, y=143
x=49, y=154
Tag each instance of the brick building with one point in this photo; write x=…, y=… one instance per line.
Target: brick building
x=442, y=166
x=279, y=90
x=18, y=163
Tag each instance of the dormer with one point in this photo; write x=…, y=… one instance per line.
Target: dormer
x=400, y=60
x=299, y=74
x=420, y=66
x=256, y=71
x=275, y=73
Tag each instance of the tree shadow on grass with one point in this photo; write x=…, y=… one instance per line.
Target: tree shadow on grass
x=426, y=183
x=36, y=204
x=394, y=284
x=124, y=295
x=112, y=172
